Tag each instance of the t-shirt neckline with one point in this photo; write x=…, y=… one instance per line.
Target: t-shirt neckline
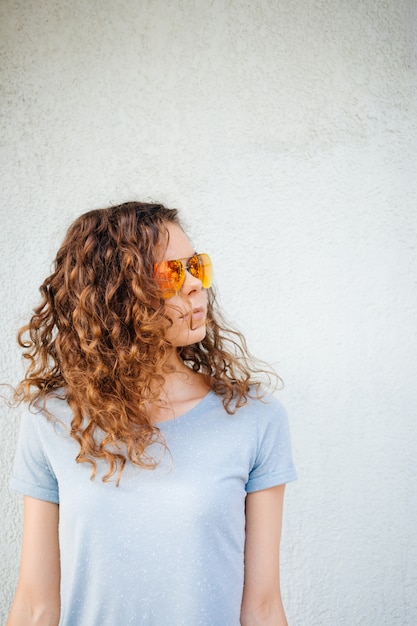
x=191, y=413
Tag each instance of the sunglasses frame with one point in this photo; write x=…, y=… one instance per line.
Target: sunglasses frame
x=169, y=287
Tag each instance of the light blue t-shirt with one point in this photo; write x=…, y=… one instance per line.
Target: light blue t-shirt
x=165, y=548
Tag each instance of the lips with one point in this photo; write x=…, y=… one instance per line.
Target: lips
x=196, y=318
x=198, y=313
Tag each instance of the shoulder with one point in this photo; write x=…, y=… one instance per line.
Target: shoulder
x=256, y=411
x=53, y=411
x=262, y=419
x=263, y=409
x=273, y=464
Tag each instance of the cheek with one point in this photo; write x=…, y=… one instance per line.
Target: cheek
x=175, y=323
x=178, y=333
x=174, y=310
x=182, y=331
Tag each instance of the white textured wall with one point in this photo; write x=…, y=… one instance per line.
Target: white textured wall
x=287, y=133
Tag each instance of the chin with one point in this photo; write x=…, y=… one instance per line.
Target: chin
x=201, y=335
x=189, y=338
x=195, y=336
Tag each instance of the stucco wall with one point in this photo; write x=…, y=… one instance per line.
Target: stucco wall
x=286, y=131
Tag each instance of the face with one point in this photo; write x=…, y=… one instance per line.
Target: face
x=188, y=308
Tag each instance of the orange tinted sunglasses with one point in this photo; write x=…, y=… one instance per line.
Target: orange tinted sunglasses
x=170, y=275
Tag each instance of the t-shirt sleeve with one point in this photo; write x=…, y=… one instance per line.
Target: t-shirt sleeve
x=273, y=464
x=32, y=474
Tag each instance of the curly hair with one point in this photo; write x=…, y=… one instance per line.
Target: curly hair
x=98, y=335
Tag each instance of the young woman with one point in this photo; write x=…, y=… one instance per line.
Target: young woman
x=152, y=463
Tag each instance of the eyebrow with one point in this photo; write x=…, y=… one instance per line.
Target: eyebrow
x=184, y=258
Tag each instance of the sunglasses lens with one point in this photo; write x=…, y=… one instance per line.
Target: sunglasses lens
x=203, y=268
x=170, y=276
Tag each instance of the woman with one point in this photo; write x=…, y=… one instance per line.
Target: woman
x=153, y=465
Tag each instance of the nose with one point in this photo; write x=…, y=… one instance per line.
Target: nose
x=191, y=284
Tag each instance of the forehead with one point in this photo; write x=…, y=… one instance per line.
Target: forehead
x=179, y=246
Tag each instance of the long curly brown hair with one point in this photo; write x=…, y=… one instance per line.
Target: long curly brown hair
x=98, y=336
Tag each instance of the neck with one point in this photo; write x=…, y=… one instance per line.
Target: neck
x=182, y=389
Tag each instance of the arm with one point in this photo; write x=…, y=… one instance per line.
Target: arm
x=37, y=599
x=261, y=604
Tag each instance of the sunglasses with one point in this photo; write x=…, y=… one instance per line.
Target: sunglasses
x=170, y=275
